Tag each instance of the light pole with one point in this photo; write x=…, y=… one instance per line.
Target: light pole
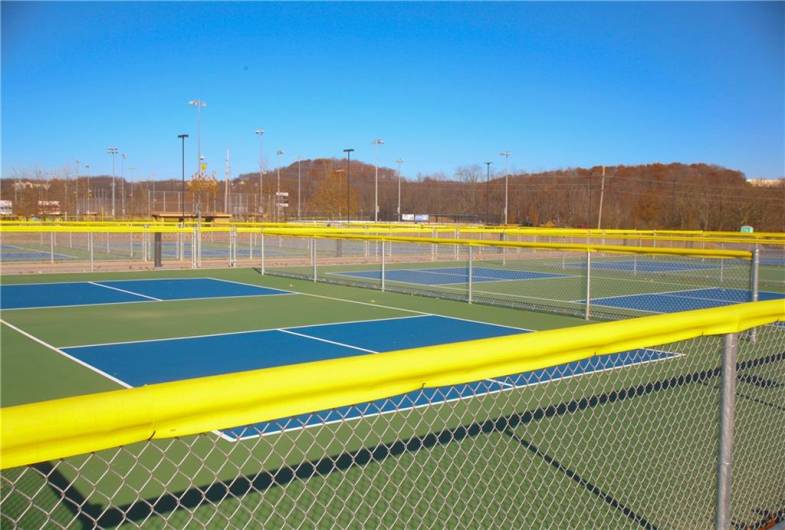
x=260, y=134
x=199, y=104
x=399, y=162
x=87, y=174
x=78, y=210
x=376, y=143
x=506, y=155
x=182, y=138
x=123, y=158
x=299, y=184
x=487, y=191
x=278, y=153
x=113, y=151
x=348, y=152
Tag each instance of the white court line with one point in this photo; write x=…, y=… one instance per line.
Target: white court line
x=343, y=344
x=88, y=366
x=261, y=330
x=281, y=292
x=71, y=357
x=670, y=355
x=127, y=292
x=420, y=313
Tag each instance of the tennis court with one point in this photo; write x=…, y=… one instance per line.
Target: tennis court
x=671, y=301
x=138, y=363
x=563, y=432
x=450, y=275
x=61, y=294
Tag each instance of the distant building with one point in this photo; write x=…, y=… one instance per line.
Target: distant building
x=765, y=183
x=49, y=208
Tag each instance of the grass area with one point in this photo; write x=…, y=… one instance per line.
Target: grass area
x=620, y=448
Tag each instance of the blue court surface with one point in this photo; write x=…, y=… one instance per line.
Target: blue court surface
x=672, y=301
x=16, y=253
x=643, y=265
x=450, y=275
x=156, y=361
x=39, y=295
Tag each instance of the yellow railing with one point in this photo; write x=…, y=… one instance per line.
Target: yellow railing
x=65, y=427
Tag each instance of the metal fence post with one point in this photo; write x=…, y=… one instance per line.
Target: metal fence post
x=754, y=282
x=51, y=247
x=92, y=256
x=587, y=314
x=470, y=274
x=313, y=259
x=261, y=251
x=383, y=259
x=727, y=420
x=457, y=247
x=193, y=247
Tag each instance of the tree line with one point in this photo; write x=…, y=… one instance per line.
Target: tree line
x=666, y=196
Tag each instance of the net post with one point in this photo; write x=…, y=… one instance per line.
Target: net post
x=261, y=251
x=51, y=247
x=313, y=260
x=727, y=420
x=383, y=260
x=470, y=274
x=587, y=314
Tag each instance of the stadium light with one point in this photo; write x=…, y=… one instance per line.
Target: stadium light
x=487, y=191
x=279, y=153
x=348, y=152
x=199, y=104
x=182, y=138
x=260, y=134
x=506, y=155
x=299, y=184
x=376, y=143
x=113, y=151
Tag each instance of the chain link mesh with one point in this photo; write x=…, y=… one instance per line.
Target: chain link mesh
x=620, y=441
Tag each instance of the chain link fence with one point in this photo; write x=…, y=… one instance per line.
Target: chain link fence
x=629, y=440
x=589, y=283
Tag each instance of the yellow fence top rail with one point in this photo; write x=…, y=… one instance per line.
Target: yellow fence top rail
x=65, y=427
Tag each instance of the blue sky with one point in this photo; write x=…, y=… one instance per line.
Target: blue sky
x=443, y=84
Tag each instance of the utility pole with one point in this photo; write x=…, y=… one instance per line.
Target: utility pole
x=376, y=143
x=506, y=155
x=399, y=162
x=602, y=196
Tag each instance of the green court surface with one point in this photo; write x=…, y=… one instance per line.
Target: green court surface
x=624, y=447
